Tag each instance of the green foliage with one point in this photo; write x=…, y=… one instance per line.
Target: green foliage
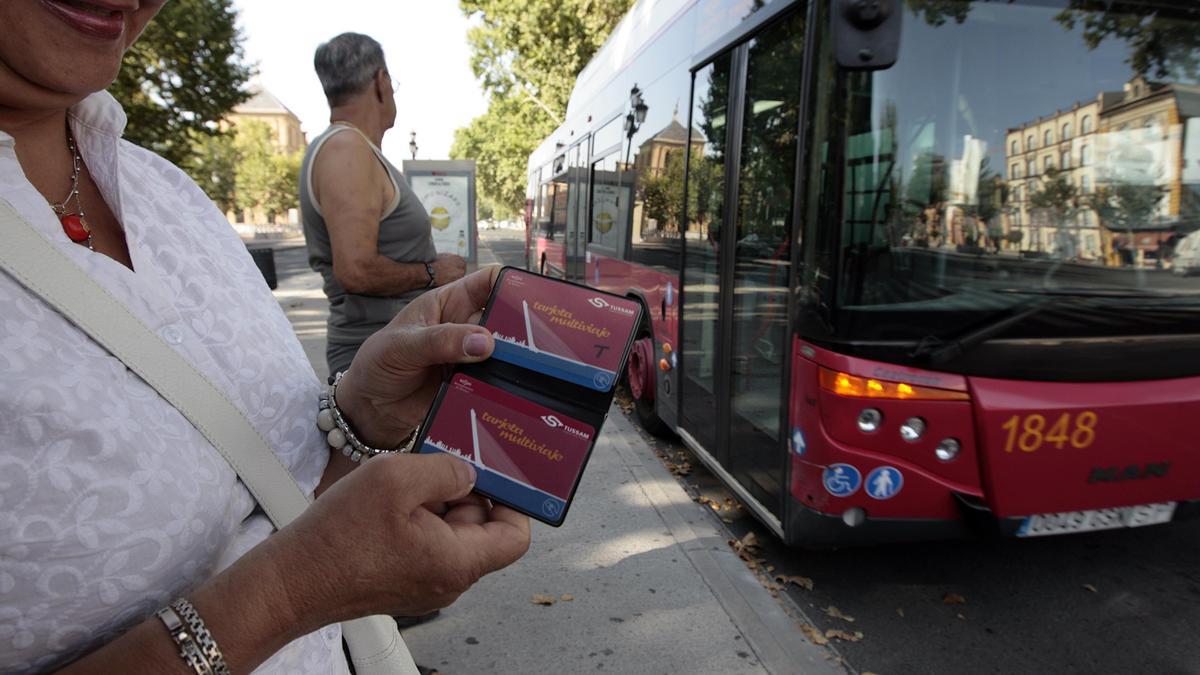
x=526, y=54
x=1125, y=206
x=500, y=141
x=213, y=165
x=182, y=77
x=264, y=179
x=1164, y=42
x=662, y=192
x=1057, y=196
x=936, y=12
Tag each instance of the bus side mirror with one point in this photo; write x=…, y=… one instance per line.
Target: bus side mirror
x=866, y=33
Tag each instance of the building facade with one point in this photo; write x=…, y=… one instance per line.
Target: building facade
x=287, y=138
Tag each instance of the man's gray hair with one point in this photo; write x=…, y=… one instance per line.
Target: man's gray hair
x=346, y=64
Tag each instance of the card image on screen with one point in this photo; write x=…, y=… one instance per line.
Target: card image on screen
x=524, y=454
x=570, y=332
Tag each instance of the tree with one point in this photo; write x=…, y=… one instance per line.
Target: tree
x=1057, y=200
x=1163, y=41
x=500, y=141
x=182, y=77
x=526, y=55
x=265, y=179
x=213, y=165
x=1125, y=206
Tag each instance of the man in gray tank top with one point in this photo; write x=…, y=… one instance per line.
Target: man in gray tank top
x=367, y=233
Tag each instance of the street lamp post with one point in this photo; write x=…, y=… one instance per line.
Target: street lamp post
x=412, y=143
x=634, y=118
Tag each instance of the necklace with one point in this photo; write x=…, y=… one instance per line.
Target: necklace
x=73, y=222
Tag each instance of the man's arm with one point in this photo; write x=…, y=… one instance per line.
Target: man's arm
x=353, y=188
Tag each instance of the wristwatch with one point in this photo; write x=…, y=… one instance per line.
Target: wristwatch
x=432, y=275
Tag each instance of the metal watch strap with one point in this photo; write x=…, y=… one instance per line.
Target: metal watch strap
x=181, y=634
x=201, y=636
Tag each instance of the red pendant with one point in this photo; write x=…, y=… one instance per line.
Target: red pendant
x=76, y=228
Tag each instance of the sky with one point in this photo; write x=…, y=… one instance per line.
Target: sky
x=424, y=41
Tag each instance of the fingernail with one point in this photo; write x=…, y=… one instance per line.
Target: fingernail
x=466, y=472
x=475, y=344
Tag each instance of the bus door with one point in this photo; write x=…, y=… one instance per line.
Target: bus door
x=577, y=209
x=737, y=270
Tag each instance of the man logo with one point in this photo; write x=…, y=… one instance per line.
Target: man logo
x=598, y=303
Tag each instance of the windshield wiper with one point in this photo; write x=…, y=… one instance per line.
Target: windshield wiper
x=1076, y=292
x=937, y=351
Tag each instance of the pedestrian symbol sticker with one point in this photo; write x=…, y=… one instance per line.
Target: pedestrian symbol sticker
x=841, y=480
x=798, y=444
x=884, y=482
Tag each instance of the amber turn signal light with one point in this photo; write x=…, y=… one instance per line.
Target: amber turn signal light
x=845, y=384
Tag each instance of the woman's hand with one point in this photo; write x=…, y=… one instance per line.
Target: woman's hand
x=396, y=373
x=373, y=546
x=369, y=545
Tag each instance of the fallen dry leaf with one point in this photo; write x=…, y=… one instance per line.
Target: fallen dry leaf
x=900, y=611
x=837, y=614
x=814, y=635
x=961, y=616
x=802, y=582
x=541, y=599
x=566, y=597
x=750, y=540
x=1090, y=588
x=843, y=635
x=954, y=599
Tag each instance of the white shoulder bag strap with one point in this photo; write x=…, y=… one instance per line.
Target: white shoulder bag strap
x=376, y=647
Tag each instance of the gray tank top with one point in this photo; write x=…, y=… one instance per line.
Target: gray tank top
x=405, y=235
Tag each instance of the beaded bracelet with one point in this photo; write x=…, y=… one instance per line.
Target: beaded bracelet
x=338, y=433
x=196, y=645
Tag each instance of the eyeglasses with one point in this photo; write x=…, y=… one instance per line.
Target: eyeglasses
x=391, y=80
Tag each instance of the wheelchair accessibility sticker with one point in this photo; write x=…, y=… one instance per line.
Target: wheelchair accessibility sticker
x=884, y=482
x=841, y=480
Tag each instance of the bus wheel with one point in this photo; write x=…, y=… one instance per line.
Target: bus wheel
x=640, y=378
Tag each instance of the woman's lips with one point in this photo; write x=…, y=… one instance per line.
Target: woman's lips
x=89, y=19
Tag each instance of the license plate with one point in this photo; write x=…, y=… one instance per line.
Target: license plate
x=1099, y=519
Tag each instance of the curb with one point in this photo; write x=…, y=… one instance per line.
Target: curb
x=775, y=637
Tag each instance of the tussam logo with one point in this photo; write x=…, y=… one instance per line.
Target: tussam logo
x=601, y=303
x=555, y=423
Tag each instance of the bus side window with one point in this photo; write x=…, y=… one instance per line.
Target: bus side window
x=657, y=155
x=612, y=194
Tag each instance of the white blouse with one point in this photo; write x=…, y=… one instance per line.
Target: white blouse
x=111, y=503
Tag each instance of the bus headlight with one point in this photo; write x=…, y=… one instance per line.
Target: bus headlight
x=869, y=420
x=948, y=449
x=913, y=429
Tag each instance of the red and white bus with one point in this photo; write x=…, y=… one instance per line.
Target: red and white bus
x=907, y=265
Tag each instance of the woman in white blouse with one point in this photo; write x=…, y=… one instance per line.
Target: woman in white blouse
x=111, y=503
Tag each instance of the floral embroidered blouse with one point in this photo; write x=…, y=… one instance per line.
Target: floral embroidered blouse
x=111, y=503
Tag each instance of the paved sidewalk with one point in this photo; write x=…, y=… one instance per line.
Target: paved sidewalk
x=641, y=578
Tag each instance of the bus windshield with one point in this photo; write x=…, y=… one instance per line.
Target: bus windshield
x=1014, y=151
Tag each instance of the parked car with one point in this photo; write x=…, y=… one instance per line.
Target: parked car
x=1187, y=255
